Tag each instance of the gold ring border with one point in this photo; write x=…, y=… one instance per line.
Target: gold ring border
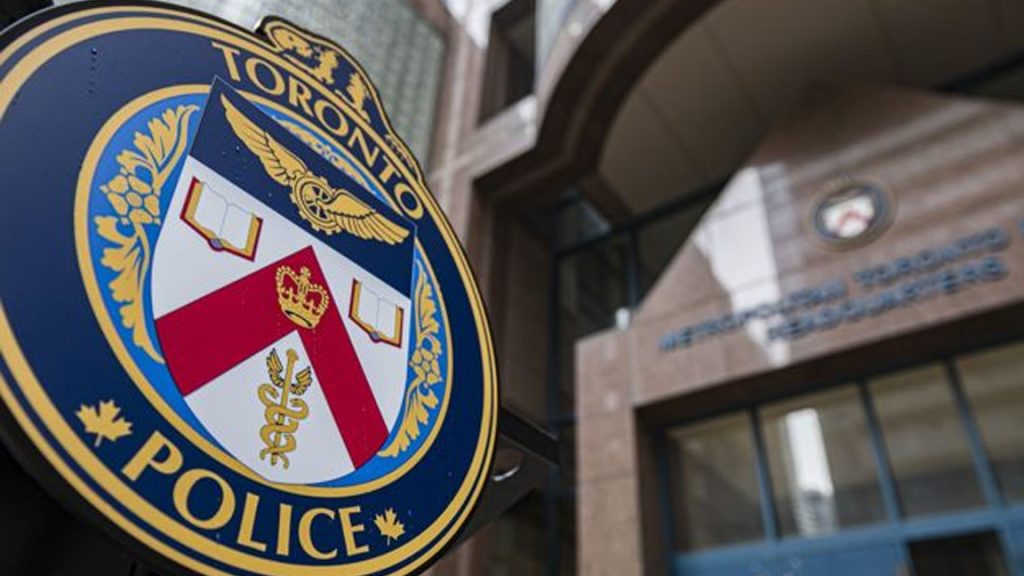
x=447, y=524
x=103, y=316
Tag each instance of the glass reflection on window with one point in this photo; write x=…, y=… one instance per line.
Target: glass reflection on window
x=716, y=498
x=926, y=441
x=822, y=469
x=994, y=385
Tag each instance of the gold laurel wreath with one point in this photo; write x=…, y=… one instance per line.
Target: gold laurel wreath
x=420, y=398
x=134, y=194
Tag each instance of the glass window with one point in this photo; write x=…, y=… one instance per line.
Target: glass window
x=822, y=469
x=994, y=385
x=394, y=40
x=567, y=222
x=593, y=287
x=926, y=442
x=510, y=57
x=578, y=220
x=659, y=241
x=592, y=294
x=716, y=499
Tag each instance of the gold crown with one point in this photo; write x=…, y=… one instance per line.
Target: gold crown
x=302, y=301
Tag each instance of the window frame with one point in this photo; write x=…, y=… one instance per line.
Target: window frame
x=495, y=93
x=896, y=523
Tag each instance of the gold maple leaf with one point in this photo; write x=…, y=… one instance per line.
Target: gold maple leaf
x=104, y=422
x=389, y=526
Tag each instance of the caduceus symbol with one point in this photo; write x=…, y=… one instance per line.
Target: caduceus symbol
x=284, y=408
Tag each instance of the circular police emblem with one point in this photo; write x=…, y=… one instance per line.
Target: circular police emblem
x=234, y=322
x=851, y=212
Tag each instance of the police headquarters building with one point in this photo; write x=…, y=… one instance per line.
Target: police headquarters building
x=758, y=265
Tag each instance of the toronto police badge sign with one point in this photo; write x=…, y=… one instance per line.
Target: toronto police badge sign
x=234, y=324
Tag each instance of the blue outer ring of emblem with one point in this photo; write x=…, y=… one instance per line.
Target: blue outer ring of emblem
x=56, y=359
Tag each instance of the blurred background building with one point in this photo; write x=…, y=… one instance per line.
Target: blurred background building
x=758, y=264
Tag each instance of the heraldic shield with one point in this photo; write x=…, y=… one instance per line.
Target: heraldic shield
x=281, y=296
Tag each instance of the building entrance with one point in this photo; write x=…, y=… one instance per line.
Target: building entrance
x=918, y=472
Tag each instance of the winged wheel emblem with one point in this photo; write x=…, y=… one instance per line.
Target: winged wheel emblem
x=327, y=209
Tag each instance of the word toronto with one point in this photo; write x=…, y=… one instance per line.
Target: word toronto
x=932, y=272
x=334, y=112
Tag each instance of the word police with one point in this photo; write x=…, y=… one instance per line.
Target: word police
x=158, y=457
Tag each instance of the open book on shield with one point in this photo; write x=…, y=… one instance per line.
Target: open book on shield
x=226, y=226
x=380, y=318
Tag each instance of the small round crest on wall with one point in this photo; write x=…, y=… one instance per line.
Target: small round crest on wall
x=851, y=212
